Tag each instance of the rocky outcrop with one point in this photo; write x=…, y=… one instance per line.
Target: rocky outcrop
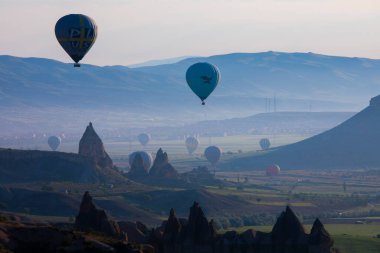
x=288, y=233
x=199, y=235
x=138, y=170
x=90, y=218
x=319, y=240
x=176, y=235
x=198, y=229
x=171, y=233
x=195, y=235
x=91, y=146
x=162, y=168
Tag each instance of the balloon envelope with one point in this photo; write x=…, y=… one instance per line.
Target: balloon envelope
x=202, y=79
x=147, y=159
x=273, y=170
x=191, y=144
x=213, y=154
x=76, y=33
x=143, y=139
x=264, y=143
x=54, y=142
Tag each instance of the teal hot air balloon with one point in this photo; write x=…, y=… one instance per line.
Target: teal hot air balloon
x=76, y=33
x=202, y=78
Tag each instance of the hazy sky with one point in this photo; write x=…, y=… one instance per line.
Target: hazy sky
x=132, y=31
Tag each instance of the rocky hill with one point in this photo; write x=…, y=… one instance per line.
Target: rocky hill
x=91, y=146
x=351, y=145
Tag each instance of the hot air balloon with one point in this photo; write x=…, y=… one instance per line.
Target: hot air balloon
x=143, y=139
x=54, y=142
x=202, y=79
x=76, y=33
x=264, y=143
x=191, y=144
x=147, y=159
x=213, y=154
x=273, y=170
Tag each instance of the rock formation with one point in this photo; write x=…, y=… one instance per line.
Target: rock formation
x=90, y=218
x=319, y=240
x=288, y=233
x=196, y=234
x=137, y=170
x=91, y=146
x=162, y=168
x=171, y=233
x=199, y=235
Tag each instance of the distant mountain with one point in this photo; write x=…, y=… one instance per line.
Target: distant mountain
x=275, y=122
x=41, y=95
x=159, y=62
x=351, y=145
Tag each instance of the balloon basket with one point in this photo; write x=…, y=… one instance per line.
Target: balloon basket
x=203, y=103
x=76, y=65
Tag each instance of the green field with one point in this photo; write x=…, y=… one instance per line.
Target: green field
x=349, y=238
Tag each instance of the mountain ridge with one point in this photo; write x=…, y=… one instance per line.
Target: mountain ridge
x=51, y=89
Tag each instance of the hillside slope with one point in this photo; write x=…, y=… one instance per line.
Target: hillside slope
x=351, y=145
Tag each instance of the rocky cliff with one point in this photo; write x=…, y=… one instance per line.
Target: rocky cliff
x=138, y=170
x=90, y=218
x=162, y=168
x=91, y=146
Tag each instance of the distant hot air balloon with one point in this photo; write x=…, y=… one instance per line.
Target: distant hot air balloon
x=147, y=159
x=202, y=78
x=144, y=138
x=191, y=144
x=213, y=154
x=76, y=33
x=273, y=170
x=264, y=143
x=54, y=142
